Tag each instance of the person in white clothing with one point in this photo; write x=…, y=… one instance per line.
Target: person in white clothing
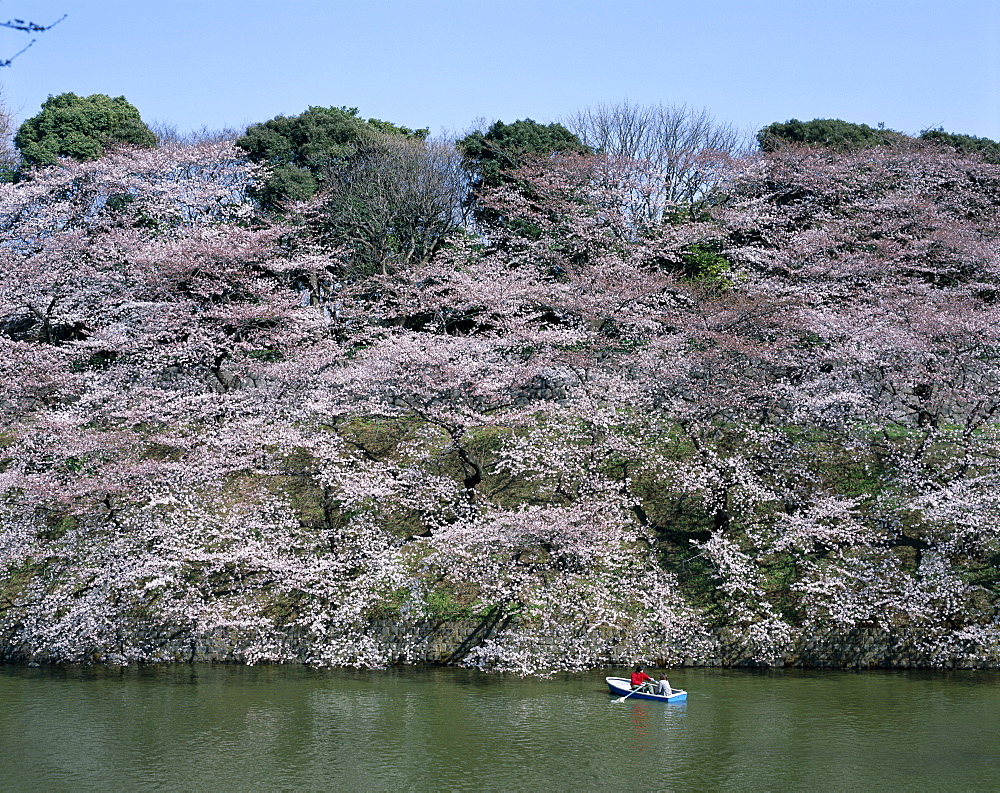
x=663, y=687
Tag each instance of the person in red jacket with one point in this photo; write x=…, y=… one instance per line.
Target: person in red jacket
x=642, y=681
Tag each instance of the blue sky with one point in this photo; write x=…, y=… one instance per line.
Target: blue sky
x=445, y=63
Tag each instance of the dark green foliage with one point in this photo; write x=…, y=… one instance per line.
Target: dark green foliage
x=385, y=195
x=80, y=128
x=490, y=157
x=504, y=147
x=831, y=132
x=988, y=149
x=705, y=264
x=388, y=128
x=287, y=183
x=302, y=149
x=309, y=140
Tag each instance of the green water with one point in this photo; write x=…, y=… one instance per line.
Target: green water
x=289, y=728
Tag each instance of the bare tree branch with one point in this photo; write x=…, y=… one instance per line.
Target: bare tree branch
x=685, y=146
x=26, y=26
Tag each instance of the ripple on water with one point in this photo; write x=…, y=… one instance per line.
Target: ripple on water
x=231, y=728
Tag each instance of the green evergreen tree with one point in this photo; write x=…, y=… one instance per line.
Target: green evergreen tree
x=831, y=132
x=81, y=128
x=988, y=149
x=490, y=157
x=504, y=147
x=302, y=149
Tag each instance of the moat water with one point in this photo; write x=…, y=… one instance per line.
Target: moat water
x=226, y=728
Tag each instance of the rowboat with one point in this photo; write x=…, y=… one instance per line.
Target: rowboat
x=622, y=687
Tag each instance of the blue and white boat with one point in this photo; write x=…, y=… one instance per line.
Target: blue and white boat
x=622, y=687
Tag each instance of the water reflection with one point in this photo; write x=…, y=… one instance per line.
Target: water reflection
x=234, y=728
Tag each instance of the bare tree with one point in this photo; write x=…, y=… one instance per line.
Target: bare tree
x=167, y=133
x=395, y=202
x=684, y=148
x=9, y=157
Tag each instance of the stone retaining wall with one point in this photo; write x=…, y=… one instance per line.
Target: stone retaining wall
x=857, y=648
x=447, y=642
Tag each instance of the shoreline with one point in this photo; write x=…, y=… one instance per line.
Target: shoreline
x=448, y=643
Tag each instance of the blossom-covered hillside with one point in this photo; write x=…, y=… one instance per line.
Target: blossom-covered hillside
x=597, y=415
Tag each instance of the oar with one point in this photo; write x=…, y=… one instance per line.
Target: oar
x=633, y=691
x=622, y=699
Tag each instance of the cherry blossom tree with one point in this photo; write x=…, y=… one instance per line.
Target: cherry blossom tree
x=557, y=427
x=885, y=263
